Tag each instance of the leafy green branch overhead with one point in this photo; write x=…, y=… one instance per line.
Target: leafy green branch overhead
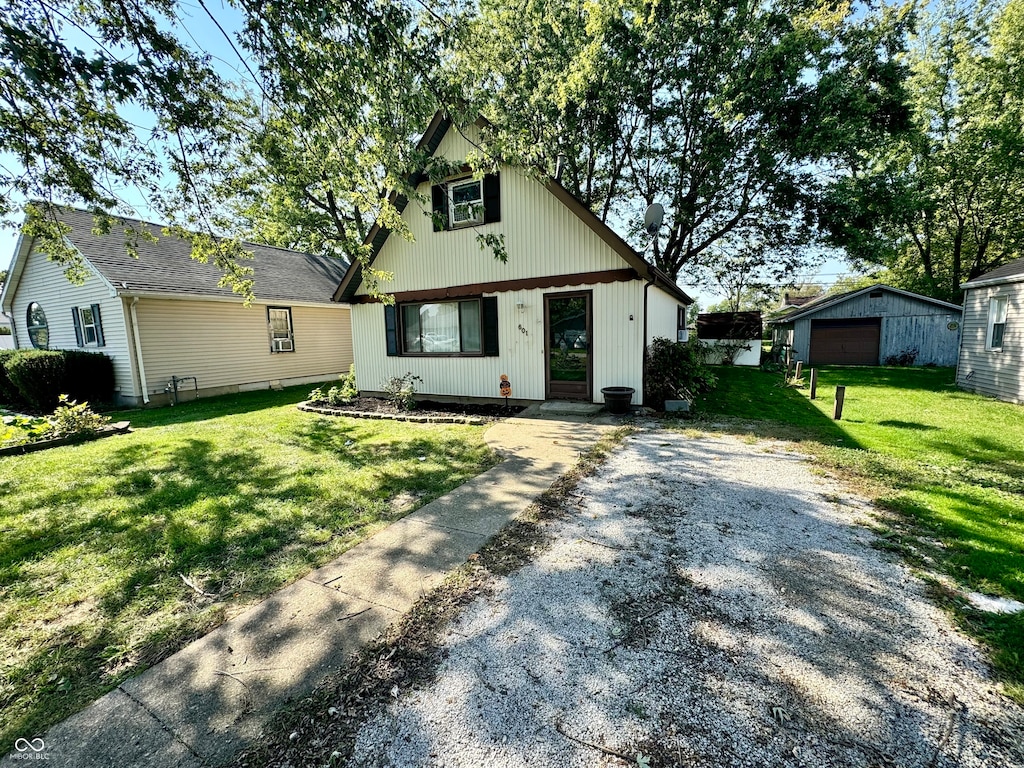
x=732, y=115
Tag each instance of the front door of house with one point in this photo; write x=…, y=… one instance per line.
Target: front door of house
x=567, y=357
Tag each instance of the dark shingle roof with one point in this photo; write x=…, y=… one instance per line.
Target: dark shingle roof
x=167, y=267
x=1014, y=269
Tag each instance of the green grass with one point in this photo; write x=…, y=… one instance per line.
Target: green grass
x=944, y=465
x=240, y=495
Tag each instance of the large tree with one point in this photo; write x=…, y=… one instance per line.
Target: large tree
x=728, y=113
x=942, y=205
x=103, y=103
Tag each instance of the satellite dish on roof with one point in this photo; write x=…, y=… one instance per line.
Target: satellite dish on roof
x=653, y=218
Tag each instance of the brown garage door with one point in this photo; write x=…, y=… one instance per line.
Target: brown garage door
x=845, y=342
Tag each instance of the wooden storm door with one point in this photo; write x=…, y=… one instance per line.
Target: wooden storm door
x=568, y=361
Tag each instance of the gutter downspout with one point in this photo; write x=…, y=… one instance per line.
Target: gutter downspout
x=643, y=346
x=138, y=351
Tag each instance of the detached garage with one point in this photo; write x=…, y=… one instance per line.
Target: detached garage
x=877, y=325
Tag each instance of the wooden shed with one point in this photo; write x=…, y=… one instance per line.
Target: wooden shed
x=877, y=325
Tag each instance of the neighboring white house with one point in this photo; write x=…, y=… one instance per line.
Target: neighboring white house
x=875, y=325
x=992, y=344
x=569, y=313
x=162, y=315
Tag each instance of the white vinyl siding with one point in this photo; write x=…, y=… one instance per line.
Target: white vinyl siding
x=989, y=372
x=662, y=315
x=542, y=238
x=617, y=347
x=224, y=344
x=43, y=281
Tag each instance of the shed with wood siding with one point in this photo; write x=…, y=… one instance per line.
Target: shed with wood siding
x=992, y=344
x=871, y=326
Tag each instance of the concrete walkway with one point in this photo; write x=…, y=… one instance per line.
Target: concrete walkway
x=204, y=704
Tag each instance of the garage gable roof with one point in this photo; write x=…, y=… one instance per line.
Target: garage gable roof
x=831, y=301
x=429, y=142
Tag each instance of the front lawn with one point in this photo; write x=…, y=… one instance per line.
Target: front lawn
x=947, y=467
x=116, y=553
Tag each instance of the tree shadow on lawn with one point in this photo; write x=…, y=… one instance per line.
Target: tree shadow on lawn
x=755, y=402
x=233, y=521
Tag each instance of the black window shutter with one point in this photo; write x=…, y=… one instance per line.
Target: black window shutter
x=490, y=319
x=78, y=326
x=99, y=325
x=391, y=328
x=440, y=200
x=492, y=198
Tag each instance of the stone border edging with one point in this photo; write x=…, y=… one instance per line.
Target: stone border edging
x=118, y=428
x=471, y=420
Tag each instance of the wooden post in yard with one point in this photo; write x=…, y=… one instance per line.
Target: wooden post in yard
x=789, y=362
x=814, y=383
x=799, y=369
x=840, y=396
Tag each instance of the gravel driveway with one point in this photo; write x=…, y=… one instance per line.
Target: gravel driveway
x=707, y=601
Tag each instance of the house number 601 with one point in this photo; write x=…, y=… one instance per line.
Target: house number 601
x=523, y=330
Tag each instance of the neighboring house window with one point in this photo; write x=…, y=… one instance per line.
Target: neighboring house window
x=282, y=338
x=996, y=321
x=88, y=326
x=465, y=202
x=447, y=328
x=38, y=329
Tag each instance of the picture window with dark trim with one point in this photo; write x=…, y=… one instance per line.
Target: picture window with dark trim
x=442, y=328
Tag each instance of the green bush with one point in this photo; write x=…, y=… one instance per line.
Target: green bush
x=71, y=419
x=9, y=394
x=41, y=377
x=676, y=370
x=401, y=391
x=340, y=395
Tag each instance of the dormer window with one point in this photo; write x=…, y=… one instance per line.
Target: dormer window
x=466, y=202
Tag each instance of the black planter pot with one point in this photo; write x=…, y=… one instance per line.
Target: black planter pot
x=618, y=399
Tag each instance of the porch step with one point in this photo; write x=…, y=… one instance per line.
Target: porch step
x=571, y=406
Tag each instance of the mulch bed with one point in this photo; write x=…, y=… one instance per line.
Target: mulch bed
x=426, y=411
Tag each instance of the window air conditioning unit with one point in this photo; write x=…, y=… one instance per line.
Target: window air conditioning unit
x=283, y=345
